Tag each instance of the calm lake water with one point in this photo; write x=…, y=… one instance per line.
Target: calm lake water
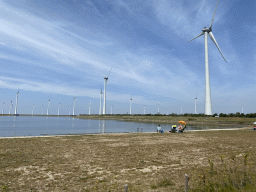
x=12, y=126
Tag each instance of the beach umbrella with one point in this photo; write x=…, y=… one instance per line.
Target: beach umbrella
x=254, y=123
x=182, y=122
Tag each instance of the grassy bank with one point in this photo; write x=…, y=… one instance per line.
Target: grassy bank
x=166, y=119
x=146, y=162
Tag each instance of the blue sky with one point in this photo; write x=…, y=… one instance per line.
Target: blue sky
x=61, y=49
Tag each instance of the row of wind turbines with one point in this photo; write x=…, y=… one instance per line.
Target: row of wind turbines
x=208, y=105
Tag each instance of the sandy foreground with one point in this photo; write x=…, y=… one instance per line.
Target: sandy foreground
x=106, y=162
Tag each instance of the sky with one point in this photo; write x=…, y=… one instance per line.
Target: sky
x=61, y=49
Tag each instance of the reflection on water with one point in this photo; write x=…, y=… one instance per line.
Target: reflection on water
x=35, y=126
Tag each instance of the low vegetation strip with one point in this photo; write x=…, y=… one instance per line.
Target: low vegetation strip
x=214, y=161
x=173, y=119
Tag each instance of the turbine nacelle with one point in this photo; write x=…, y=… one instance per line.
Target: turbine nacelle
x=208, y=30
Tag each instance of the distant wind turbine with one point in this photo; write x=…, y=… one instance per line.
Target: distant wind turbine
x=74, y=106
x=167, y=112
x=17, y=97
x=100, y=112
x=90, y=108
x=111, y=109
x=144, y=110
x=195, y=104
x=105, y=83
x=69, y=109
x=3, y=108
x=158, y=112
x=10, y=108
x=242, y=108
x=59, y=109
x=206, y=32
x=48, y=107
x=33, y=109
x=181, y=109
x=130, y=106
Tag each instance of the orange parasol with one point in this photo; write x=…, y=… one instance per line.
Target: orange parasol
x=182, y=122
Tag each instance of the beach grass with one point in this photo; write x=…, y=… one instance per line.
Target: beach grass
x=214, y=161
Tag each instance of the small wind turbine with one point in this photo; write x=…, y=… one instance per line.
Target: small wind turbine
x=69, y=109
x=111, y=109
x=3, y=108
x=144, y=110
x=90, y=108
x=17, y=97
x=74, y=106
x=167, y=112
x=59, y=109
x=33, y=109
x=42, y=109
x=48, y=107
x=100, y=101
x=242, y=108
x=10, y=108
x=105, y=83
x=195, y=104
x=181, y=109
x=130, y=106
x=206, y=32
x=158, y=112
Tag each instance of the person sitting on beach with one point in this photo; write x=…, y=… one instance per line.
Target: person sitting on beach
x=181, y=129
x=173, y=130
x=158, y=128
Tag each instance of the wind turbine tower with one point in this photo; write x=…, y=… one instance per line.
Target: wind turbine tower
x=130, y=106
x=144, y=110
x=74, y=106
x=48, y=107
x=101, y=93
x=195, y=104
x=111, y=109
x=33, y=109
x=90, y=108
x=206, y=32
x=10, y=108
x=105, y=84
x=3, y=108
x=158, y=112
x=181, y=109
x=59, y=109
x=242, y=108
x=17, y=97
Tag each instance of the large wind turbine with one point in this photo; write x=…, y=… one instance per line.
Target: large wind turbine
x=105, y=83
x=206, y=32
x=100, y=101
x=17, y=97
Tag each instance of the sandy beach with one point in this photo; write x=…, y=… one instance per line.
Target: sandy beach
x=106, y=162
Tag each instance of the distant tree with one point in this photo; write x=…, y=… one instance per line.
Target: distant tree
x=222, y=115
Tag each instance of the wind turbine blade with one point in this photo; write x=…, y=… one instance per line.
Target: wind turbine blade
x=214, y=14
x=197, y=36
x=110, y=71
x=215, y=42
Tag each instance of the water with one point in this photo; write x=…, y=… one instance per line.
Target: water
x=12, y=126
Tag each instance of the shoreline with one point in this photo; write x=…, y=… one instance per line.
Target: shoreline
x=186, y=131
